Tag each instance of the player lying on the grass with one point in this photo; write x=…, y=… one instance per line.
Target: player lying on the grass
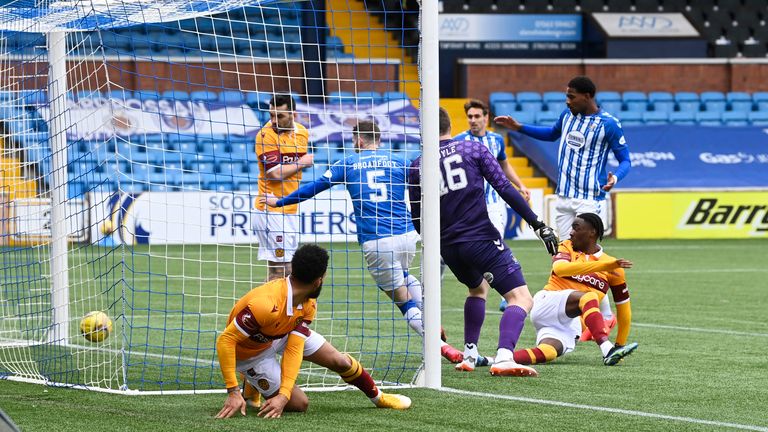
x=472, y=247
x=272, y=319
x=582, y=274
x=376, y=182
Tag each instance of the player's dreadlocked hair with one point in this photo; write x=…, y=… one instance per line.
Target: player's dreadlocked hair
x=595, y=222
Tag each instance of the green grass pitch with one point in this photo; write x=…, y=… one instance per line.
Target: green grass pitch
x=698, y=314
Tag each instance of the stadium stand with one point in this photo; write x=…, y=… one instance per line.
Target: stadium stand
x=731, y=27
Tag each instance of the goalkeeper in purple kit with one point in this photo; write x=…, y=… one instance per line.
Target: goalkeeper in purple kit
x=472, y=248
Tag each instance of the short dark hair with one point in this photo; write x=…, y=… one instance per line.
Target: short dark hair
x=476, y=103
x=595, y=222
x=445, y=122
x=283, y=99
x=582, y=84
x=368, y=130
x=309, y=263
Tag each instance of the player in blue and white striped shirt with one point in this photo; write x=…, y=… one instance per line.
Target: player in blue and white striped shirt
x=477, y=117
x=586, y=133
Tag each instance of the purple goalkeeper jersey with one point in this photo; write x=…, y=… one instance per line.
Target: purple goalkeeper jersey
x=464, y=166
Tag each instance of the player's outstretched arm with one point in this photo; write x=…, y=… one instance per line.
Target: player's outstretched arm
x=303, y=193
x=564, y=268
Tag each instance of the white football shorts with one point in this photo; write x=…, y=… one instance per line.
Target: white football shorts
x=278, y=235
x=568, y=208
x=263, y=370
x=389, y=258
x=550, y=321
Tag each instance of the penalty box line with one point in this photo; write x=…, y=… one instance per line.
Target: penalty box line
x=605, y=409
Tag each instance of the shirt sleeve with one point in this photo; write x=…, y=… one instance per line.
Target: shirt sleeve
x=294, y=350
x=491, y=171
x=226, y=346
x=618, y=145
x=564, y=268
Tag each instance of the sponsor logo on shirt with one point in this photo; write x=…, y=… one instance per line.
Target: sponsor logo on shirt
x=575, y=139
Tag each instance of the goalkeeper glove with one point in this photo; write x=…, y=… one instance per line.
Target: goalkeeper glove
x=547, y=236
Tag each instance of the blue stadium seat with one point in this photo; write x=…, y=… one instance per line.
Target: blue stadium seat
x=529, y=101
x=187, y=147
x=242, y=150
x=735, y=118
x=202, y=166
x=501, y=97
x=635, y=101
x=687, y=118
x=660, y=96
x=708, y=118
x=231, y=168
x=739, y=101
x=758, y=118
x=220, y=186
x=104, y=185
x=630, y=118
x=76, y=189
x=612, y=107
x=607, y=96
x=504, y=108
x=655, y=117
x=687, y=101
x=546, y=118
x=525, y=117
x=713, y=101
x=554, y=101
x=215, y=149
x=761, y=100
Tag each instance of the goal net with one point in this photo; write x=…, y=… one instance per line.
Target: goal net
x=129, y=177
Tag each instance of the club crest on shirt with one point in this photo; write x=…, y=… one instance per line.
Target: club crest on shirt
x=279, y=252
x=575, y=139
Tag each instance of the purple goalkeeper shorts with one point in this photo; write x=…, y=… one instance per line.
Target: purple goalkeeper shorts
x=491, y=260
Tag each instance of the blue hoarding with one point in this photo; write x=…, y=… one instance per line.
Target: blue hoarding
x=678, y=157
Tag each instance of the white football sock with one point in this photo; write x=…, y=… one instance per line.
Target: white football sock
x=605, y=347
x=470, y=351
x=413, y=316
x=414, y=289
x=503, y=354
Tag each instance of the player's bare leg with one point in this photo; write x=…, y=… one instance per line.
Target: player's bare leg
x=277, y=270
x=352, y=372
x=519, y=302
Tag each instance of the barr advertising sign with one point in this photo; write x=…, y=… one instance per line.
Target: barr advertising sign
x=692, y=215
